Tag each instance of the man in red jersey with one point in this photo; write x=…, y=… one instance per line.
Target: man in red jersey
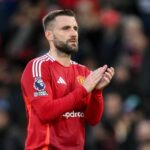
x=61, y=95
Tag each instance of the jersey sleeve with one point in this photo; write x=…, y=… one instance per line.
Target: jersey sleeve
x=94, y=109
x=37, y=92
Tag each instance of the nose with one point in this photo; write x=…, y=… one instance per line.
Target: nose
x=73, y=33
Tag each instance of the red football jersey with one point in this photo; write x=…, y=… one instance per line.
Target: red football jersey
x=57, y=104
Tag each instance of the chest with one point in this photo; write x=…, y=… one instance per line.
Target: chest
x=65, y=80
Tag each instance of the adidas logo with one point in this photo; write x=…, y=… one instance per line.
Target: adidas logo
x=61, y=81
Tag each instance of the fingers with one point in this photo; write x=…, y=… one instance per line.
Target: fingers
x=94, y=77
x=103, y=69
x=99, y=73
x=109, y=74
x=111, y=71
x=102, y=75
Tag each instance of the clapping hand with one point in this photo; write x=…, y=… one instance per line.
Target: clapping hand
x=106, y=78
x=94, y=78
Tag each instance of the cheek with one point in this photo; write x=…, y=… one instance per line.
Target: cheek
x=60, y=37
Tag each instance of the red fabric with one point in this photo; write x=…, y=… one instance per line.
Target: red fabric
x=110, y=18
x=56, y=118
x=70, y=4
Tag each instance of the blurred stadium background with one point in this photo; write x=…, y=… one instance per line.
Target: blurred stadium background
x=113, y=32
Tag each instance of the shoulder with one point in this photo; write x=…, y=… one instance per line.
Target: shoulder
x=35, y=65
x=41, y=60
x=80, y=67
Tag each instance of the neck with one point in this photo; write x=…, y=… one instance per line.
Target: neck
x=62, y=58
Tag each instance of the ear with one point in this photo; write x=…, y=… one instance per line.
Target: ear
x=49, y=35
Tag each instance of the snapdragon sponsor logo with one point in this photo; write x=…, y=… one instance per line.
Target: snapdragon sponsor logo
x=73, y=114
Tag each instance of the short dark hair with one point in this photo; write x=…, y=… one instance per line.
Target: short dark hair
x=53, y=14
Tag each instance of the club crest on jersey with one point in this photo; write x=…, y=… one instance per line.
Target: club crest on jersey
x=39, y=84
x=80, y=79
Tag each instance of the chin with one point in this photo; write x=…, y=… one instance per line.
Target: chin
x=72, y=51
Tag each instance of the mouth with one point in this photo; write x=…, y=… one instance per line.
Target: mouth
x=73, y=41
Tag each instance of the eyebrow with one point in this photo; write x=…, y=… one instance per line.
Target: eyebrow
x=67, y=27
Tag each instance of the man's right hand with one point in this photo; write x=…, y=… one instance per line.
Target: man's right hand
x=93, y=78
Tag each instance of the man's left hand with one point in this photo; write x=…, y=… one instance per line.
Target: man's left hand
x=107, y=77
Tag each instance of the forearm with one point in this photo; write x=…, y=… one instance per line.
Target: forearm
x=48, y=110
x=94, y=109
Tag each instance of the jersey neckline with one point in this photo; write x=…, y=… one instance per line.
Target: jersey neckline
x=54, y=60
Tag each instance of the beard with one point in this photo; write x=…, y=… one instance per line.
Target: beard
x=65, y=47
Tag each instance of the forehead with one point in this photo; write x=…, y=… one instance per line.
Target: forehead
x=65, y=21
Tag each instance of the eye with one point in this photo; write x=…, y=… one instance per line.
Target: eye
x=66, y=27
x=76, y=28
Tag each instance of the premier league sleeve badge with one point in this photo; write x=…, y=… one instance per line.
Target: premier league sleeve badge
x=39, y=86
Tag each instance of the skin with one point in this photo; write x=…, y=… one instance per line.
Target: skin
x=63, y=31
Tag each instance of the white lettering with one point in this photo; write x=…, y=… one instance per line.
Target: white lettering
x=41, y=93
x=73, y=114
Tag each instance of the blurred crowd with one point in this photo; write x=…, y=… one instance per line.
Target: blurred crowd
x=113, y=32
